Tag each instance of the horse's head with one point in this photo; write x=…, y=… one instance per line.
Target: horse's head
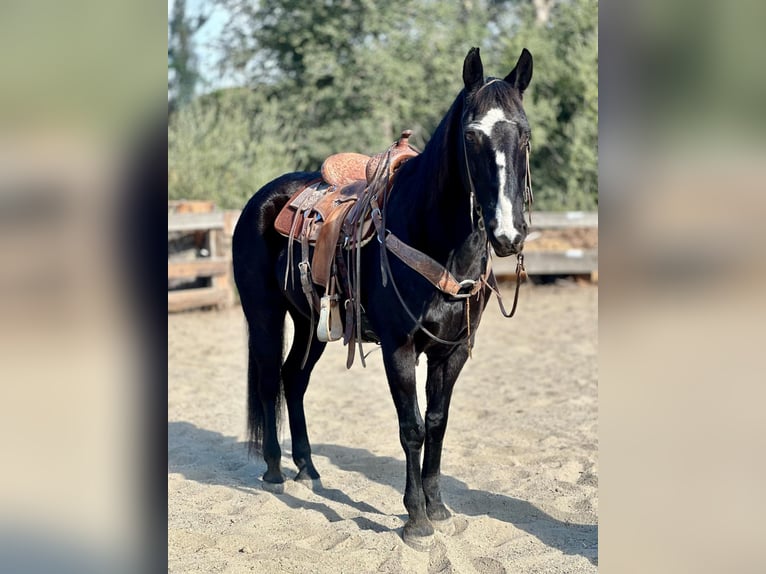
x=495, y=143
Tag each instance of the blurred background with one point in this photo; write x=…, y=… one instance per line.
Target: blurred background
x=682, y=182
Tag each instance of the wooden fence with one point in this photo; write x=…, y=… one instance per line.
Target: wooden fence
x=573, y=250
x=199, y=257
x=206, y=256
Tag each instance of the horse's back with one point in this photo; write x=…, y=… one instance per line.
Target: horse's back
x=255, y=243
x=258, y=215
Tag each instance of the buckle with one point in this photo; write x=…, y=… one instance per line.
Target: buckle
x=466, y=288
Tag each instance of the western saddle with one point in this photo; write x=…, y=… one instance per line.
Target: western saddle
x=334, y=215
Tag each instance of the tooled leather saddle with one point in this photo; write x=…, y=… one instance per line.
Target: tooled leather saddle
x=334, y=216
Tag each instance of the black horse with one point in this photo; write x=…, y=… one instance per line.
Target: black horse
x=465, y=190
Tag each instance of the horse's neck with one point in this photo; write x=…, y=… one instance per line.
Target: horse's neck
x=435, y=204
x=441, y=220
x=457, y=234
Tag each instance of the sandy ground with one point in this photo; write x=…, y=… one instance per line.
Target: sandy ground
x=520, y=461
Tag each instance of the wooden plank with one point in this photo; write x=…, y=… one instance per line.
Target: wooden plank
x=190, y=206
x=224, y=283
x=195, y=221
x=572, y=261
x=184, y=299
x=564, y=219
x=206, y=267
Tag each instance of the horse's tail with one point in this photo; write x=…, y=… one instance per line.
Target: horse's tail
x=263, y=304
x=256, y=416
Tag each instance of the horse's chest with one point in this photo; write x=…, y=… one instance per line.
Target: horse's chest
x=450, y=318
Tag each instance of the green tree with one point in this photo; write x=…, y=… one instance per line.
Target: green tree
x=183, y=71
x=348, y=75
x=225, y=146
x=562, y=102
x=354, y=74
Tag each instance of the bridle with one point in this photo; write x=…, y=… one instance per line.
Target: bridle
x=488, y=276
x=436, y=273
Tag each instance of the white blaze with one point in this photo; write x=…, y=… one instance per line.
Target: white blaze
x=504, y=210
x=504, y=213
x=488, y=121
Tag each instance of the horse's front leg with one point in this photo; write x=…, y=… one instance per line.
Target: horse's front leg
x=400, y=369
x=442, y=374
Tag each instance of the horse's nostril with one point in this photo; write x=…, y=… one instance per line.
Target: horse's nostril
x=518, y=239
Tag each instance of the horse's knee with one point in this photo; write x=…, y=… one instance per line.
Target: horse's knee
x=412, y=435
x=436, y=423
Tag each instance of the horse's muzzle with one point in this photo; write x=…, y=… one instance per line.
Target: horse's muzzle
x=504, y=246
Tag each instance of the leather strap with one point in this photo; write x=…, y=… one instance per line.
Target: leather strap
x=438, y=275
x=303, y=201
x=521, y=275
x=308, y=288
x=529, y=197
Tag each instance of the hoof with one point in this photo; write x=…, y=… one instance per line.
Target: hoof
x=307, y=474
x=418, y=538
x=446, y=527
x=438, y=512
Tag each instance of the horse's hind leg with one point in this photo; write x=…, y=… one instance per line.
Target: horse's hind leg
x=264, y=390
x=296, y=380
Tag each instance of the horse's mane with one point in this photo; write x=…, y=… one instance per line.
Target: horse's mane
x=440, y=152
x=495, y=93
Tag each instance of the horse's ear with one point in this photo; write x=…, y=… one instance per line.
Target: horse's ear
x=521, y=74
x=473, y=71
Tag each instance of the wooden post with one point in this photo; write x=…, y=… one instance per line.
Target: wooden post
x=215, y=228
x=220, y=248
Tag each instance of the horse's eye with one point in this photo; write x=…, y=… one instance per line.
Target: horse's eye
x=470, y=136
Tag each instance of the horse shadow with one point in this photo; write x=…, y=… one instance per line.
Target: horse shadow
x=232, y=467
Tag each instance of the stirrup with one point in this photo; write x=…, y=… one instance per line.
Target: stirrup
x=329, y=327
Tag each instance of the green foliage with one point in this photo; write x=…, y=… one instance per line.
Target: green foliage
x=183, y=73
x=354, y=74
x=349, y=75
x=224, y=147
x=562, y=104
